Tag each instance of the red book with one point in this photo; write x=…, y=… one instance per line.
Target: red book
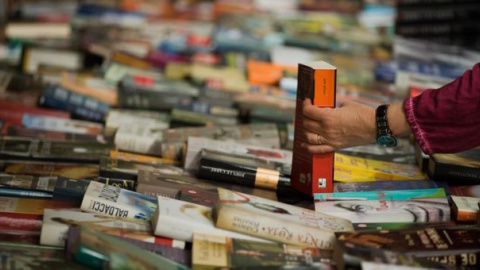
x=12, y=112
x=313, y=173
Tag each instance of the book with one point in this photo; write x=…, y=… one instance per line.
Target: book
x=56, y=223
x=180, y=220
x=169, y=185
x=23, y=193
x=198, y=196
x=455, y=169
x=277, y=221
x=94, y=87
x=29, y=182
x=18, y=131
x=114, y=154
x=117, y=117
x=389, y=185
x=350, y=168
x=239, y=174
x=215, y=251
x=465, y=209
x=465, y=191
x=278, y=159
x=397, y=195
x=368, y=211
x=122, y=169
x=78, y=171
x=29, y=206
x=428, y=242
x=62, y=125
x=33, y=57
x=312, y=173
x=13, y=112
x=107, y=247
x=70, y=190
x=121, y=183
x=117, y=202
x=35, y=149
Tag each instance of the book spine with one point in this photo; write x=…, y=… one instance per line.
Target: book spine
x=447, y=172
x=245, y=222
x=241, y=175
x=22, y=193
x=77, y=104
x=110, y=208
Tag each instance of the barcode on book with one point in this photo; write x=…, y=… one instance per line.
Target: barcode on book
x=110, y=193
x=322, y=182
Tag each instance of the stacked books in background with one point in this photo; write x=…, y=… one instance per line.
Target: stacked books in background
x=160, y=135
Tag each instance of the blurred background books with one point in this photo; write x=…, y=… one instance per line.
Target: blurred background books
x=119, y=119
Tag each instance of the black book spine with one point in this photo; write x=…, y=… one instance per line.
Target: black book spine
x=241, y=175
x=453, y=174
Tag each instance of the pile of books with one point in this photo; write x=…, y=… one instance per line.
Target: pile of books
x=160, y=135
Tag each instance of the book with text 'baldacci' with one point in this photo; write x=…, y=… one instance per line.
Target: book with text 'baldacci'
x=277, y=221
x=313, y=173
x=117, y=202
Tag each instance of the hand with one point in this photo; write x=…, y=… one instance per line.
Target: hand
x=329, y=129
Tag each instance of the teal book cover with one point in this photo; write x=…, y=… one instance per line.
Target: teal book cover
x=397, y=195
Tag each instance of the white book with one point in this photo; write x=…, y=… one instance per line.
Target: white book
x=38, y=30
x=35, y=57
x=196, y=144
x=57, y=221
x=139, y=139
x=61, y=124
x=117, y=202
x=118, y=118
x=180, y=220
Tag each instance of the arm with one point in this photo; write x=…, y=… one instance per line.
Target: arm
x=447, y=120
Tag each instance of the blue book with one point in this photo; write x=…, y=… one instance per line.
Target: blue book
x=397, y=195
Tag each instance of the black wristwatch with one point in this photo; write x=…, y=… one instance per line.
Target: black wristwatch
x=385, y=137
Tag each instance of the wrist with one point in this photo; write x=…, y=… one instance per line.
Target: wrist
x=397, y=120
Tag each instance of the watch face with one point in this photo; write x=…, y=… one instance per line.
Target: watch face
x=387, y=141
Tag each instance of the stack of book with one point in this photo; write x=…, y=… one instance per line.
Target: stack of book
x=165, y=135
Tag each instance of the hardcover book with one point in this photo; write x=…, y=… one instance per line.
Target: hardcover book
x=215, y=251
x=117, y=202
x=313, y=173
x=368, y=211
x=277, y=221
x=456, y=169
x=56, y=223
x=465, y=209
x=180, y=220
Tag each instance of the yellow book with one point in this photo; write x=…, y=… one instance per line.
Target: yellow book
x=356, y=169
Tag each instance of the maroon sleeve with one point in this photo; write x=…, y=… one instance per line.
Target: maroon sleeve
x=447, y=120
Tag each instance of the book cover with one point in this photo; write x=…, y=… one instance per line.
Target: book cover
x=115, y=154
x=313, y=173
x=180, y=220
x=277, y=221
x=465, y=209
x=456, y=169
x=121, y=183
x=215, y=251
x=70, y=190
x=56, y=223
x=117, y=202
x=90, y=86
x=349, y=168
x=198, y=196
x=398, y=195
x=465, y=191
x=368, y=211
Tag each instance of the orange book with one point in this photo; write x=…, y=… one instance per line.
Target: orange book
x=264, y=73
x=142, y=158
x=313, y=173
x=90, y=86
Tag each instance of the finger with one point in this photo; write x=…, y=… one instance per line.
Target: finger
x=311, y=125
x=319, y=149
x=313, y=138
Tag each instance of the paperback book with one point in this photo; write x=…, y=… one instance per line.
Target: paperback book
x=117, y=202
x=56, y=223
x=277, y=221
x=368, y=211
x=215, y=251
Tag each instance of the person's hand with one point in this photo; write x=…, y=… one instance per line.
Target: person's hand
x=329, y=129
